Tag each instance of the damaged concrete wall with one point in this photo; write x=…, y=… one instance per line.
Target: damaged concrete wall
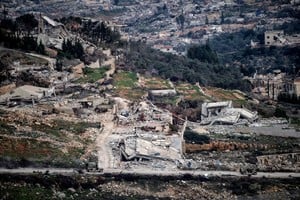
x=223, y=112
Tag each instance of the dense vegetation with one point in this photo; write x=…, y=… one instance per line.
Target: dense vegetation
x=92, y=75
x=143, y=59
x=203, y=53
x=98, y=32
x=234, y=49
x=16, y=34
x=72, y=50
x=195, y=138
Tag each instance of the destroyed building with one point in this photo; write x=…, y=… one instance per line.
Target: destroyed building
x=145, y=116
x=274, y=84
x=224, y=113
x=50, y=32
x=26, y=93
x=278, y=38
x=144, y=133
x=275, y=38
x=153, y=94
x=143, y=148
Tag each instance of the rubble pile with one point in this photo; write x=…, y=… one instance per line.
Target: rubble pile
x=172, y=190
x=144, y=135
x=279, y=162
x=224, y=113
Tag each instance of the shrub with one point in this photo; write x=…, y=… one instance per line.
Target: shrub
x=195, y=138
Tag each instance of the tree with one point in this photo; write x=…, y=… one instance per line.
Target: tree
x=5, y=62
x=72, y=50
x=206, y=20
x=180, y=20
x=222, y=17
x=40, y=48
x=9, y=25
x=59, y=65
x=4, y=13
x=203, y=53
x=78, y=50
x=27, y=23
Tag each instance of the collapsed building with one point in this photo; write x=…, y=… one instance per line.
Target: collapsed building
x=274, y=84
x=26, y=93
x=156, y=94
x=278, y=38
x=145, y=116
x=146, y=148
x=145, y=133
x=50, y=32
x=224, y=113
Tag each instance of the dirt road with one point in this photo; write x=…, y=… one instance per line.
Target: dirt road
x=149, y=173
x=102, y=143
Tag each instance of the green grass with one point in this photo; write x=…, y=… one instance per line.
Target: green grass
x=27, y=148
x=239, y=102
x=126, y=80
x=295, y=122
x=46, y=152
x=28, y=192
x=62, y=125
x=42, y=153
x=191, y=92
x=6, y=129
x=92, y=75
x=155, y=83
x=126, y=86
x=167, y=100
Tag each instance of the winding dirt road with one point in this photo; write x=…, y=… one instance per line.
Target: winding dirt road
x=102, y=143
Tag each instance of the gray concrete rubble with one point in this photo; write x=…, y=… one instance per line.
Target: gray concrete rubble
x=144, y=138
x=27, y=93
x=161, y=93
x=274, y=127
x=224, y=113
x=138, y=148
x=287, y=162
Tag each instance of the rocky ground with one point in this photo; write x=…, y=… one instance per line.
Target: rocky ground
x=85, y=187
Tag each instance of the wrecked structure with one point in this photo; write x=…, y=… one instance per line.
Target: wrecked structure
x=144, y=134
x=278, y=38
x=224, y=113
x=275, y=38
x=26, y=93
x=151, y=147
x=50, y=32
x=146, y=116
x=287, y=162
x=153, y=94
x=274, y=84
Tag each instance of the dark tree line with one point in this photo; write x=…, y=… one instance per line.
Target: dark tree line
x=17, y=34
x=94, y=31
x=99, y=32
x=289, y=98
x=5, y=62
x=203, y=53
x=144, y=59
x=234, y=49
x=72, y=50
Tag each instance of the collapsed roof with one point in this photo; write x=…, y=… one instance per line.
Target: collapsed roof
x=223, y=113
x=27, y=93
x=165, y=148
